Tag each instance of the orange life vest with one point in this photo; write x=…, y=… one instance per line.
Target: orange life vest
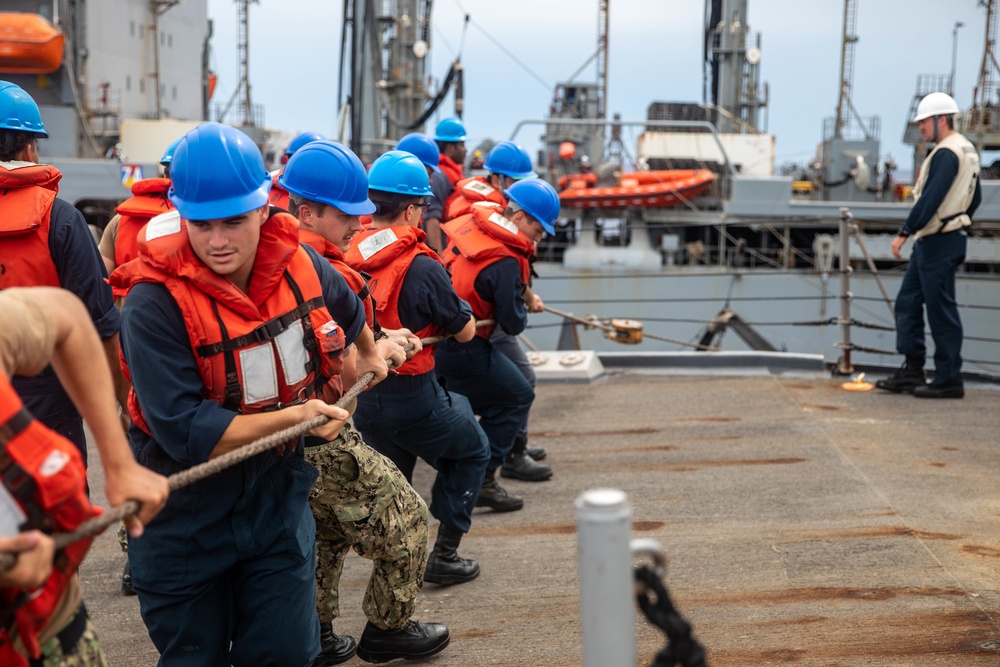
x=356, y=281
x=148, y=200
x=386, y=254
x=44, y=473
x=471, y=191
x=479, y=239
x=27, y=192
x=451, y=169
x=278, y=195
x=280, y=330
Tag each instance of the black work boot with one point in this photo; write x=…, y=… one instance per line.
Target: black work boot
x=909, y=376
x=334, y=649
x=518, y=465
x=537, y=453
x=127, y=588
x=495, y=497
x=444, y=565
x=940, y=391
x=413, y=640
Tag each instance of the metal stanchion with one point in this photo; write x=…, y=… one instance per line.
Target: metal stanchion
x=604, y=523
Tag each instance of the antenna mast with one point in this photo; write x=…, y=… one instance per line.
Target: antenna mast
x=248, y=116
x=983, y=95
x=849, y=39
x=602, y=70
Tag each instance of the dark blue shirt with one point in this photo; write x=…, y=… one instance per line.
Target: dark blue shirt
x=427, y=296
x=500, y=283
x=165, y=375
x=943, y=170
x=81, y=270
x=441, y=188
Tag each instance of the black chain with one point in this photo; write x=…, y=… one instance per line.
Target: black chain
x=681, y=649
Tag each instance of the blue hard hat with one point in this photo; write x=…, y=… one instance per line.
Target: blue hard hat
x=329, y=173
x=168, y=154
x=399, y=172
x=217, y=172
x=509, y=159
x=18, y=111
x=301, y=140
x=538, y=199
x=423, y=147
x=450, y=130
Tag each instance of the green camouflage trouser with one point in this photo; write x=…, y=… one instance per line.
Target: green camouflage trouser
x=362, y=501
x=86, y=653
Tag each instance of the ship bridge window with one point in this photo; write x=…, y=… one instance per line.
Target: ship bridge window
x=163, y=38
x=170, y=40
x=128, y=83
x=173, y=91
x=142, y=85
x=131, y=29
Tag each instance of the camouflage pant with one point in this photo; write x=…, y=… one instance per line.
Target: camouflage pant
x=122, y=536
x=86, y=653
x=362, y=501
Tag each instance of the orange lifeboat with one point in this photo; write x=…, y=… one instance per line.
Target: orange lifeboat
x=641, y=189
x=29, y=44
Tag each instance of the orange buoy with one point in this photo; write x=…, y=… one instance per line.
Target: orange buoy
x=567, y=150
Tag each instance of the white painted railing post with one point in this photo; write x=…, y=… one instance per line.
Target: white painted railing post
x=607, y=604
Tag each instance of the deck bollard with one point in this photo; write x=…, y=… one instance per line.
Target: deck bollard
x=607, y=606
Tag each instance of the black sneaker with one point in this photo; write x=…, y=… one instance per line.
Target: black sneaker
x=905, y=380
x=940, y=391
x=413, y=640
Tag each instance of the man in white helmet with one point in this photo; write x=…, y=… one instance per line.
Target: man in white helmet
x=947, y=193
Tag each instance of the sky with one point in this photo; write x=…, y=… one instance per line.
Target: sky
x=654, y=54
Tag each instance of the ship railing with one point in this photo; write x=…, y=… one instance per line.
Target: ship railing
x=727, y=165
x=868, y=128
x=854, y=312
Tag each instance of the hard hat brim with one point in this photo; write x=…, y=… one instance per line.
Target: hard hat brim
x=222, y=208
x=367, y=207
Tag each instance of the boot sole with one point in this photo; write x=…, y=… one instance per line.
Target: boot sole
x=376, y=657
x=509, y=474
x=901, y=390
x=502, y=508
x=450, y=580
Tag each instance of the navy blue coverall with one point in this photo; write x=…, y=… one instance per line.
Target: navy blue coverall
x=930, y=278
x=499, y=393
x=410, y=416
x=226, y=573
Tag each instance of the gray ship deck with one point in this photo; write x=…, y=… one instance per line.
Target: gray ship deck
x=803, y=525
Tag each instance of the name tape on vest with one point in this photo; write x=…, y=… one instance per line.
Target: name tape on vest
x=163, y=225
x=376, y=242
x=480, y=187
x=501, y=221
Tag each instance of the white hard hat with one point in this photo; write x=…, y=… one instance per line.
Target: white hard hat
x=935, y=104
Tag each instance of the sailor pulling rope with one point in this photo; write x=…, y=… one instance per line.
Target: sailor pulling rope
x=204, y=470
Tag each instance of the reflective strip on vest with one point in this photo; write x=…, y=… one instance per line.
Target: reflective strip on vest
x=259, y=369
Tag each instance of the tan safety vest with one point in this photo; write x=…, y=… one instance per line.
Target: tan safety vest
x=951, y=213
